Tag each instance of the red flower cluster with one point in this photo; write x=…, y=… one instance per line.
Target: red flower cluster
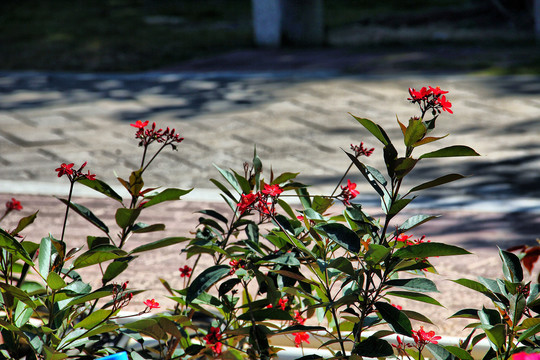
x=300, y=337
x=526, y=356
x=405, y=238
x=74, y=175
x=13, y=204
x=360, y=150
x=283, y=303
x=430, y=98
x=213, y=338
x=399, y=307
x=236, y=264
x=348, y=192
x=121, y=298
x=185, y=271
x=151, y=304
x=259, y=201
x=298, y=319
x=422, y=338
x=148, y=136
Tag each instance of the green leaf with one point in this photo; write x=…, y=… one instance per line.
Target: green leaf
x=231, y=179
x=9, y=243
x=45, y=256
x=159, y=244
x=403, y=166
x=428, y=249
x=415, y=296
x=136, y=182
x=373, y=347
x=512, y=269
x=206, y=279
x=439, y=181
x=24, y=222
x=166, y=195
x=438, y=352
x=413, y=315
x=102, y=187
x=374, y=129
x=414, y=132
x=451, y=151
x=458, y=352
x=55, y=282
x=98, y=255
x=140, y=228
x=300, y=328
x=284, y=178
x=126, y=217
x=18, y=294
x=342, y=264
x=114, y=269
x=398, y=205
x=466, y=314
x=342, y=235
x=429, y=139
x=266, y=314
x=397, y=320
x=243, y=182
x=215, y=215
x=367, y=175
x=87, y=214
x=415, y=284
x=376, y=254
x=533, y=330
x=222, y=187
x=93, y=319
x=496, y=335
x=415, y=221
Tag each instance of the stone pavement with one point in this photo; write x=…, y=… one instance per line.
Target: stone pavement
x=298, y=119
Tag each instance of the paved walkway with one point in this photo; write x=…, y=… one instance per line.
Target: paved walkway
x=297, y=116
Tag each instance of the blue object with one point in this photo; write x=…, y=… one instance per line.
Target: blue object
x=119, y=356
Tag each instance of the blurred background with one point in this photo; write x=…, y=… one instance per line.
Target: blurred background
x=494, y=36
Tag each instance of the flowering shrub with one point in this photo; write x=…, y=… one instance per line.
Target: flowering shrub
x=323, y=269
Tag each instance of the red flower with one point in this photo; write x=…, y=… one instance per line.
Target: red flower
x=437, y=91
x=216, y=348
x=213, y=336
x=283, y=303
x=300, y=337
x=348, y=192
x=139, y=124
x=65, y=169
x=151, y=304
x=361, y=150
x=399, y=307
x=13, y=205
x=185, y=271
x=421, y=338
x=298, y=318
x=445, y=105
x=423, y=94
x=272, y=190
x=90, y=176
x=246, y=201
x=526, y=356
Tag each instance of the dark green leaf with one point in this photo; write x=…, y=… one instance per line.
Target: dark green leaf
x=374, y=129
x=343, y=265
x=320, y=204
x=159, y=244
x=206, y=279
x=215, y=215
x=231, y=179
x=194, y=349
x=55, y=282
x=451, y=151
x=221, y=187
x=403, y=166
x=373, y=347
x=45, y=256
x=438, y=352
x=512, y=269
x=166, y=195
x=228, y=285
x=24, y=222
x=266, y=314
x=342, y=235
x=439, y=181
x=252, y=232
x=397, y=320
x=300, y=328
x=428, y=249
x=398, y=205
x=17, y=294
x=9, y=243
x=376, y=175
x=102, y=187
x=87, y=214
x=376, y=254
x=413, y=315
x=466, y=314
x=414, y=296
x=140, y=228
x=243, y=182
x=284, y=178
x=136, y=182
x=114, y=269
x=368, y=176
x=458, y=352
x=415, y=221
x=415, y=284
x=94, y=318
x=496, y=335
x=126, y=217
x=98, y=255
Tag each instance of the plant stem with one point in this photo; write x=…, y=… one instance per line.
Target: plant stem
x=342, y=178
x=72, y=183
